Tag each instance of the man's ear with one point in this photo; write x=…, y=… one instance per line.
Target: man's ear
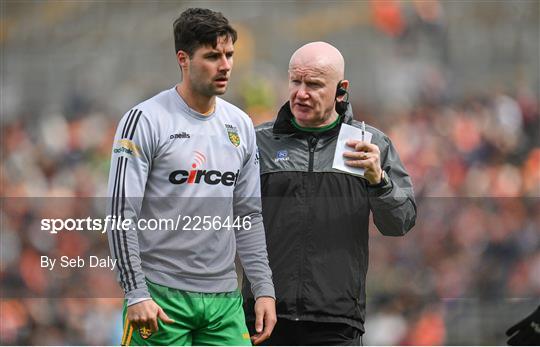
x=343, y=85
x=183, y=59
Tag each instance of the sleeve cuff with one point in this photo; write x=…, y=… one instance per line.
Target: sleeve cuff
x=264, y=289
x=136, y=301
x=380, y=190
x=138, y=295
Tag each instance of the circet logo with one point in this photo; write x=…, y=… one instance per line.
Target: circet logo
x=199, y=159
x=197, y=176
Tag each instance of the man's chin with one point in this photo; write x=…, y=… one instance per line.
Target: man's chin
x=302, y=117
x=215, y=91
x=220, y=91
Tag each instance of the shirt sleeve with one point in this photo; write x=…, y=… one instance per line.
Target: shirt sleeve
x=393, y=205
x=130, y=165
x=250, y=239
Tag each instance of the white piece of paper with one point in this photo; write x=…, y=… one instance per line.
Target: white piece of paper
x=348, y=132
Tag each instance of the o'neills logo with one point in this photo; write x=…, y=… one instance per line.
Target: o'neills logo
x=196, y=176
x=182, y=135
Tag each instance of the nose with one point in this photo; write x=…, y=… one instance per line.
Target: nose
x=301, y=93
x=225, y=64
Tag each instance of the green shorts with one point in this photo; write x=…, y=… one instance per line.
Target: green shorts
x=200, y=319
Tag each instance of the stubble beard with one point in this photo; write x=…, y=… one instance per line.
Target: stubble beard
x=208, y=90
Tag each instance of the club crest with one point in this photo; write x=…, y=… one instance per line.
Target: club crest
x=232, y=131
x=145, y=332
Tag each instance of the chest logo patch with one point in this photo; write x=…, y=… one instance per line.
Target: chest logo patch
x=232, y=131
x=282, y=155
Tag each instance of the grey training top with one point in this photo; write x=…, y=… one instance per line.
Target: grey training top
x=201, y=173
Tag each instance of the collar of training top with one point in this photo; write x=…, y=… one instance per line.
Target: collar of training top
x=283, y=124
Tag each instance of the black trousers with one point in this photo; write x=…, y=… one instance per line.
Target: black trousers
x=293, y=333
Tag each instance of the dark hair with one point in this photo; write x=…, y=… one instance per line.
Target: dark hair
x=200, y=27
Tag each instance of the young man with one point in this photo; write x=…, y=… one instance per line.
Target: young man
x=189, y=156
x=316, y=217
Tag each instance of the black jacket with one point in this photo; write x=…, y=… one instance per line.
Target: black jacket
x=316, y=220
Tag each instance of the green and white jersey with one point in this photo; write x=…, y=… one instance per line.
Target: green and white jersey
x=189, y=185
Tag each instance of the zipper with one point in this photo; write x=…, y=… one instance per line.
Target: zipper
x=312, y=144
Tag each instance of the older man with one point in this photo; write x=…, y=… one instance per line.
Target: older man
x=316, y=218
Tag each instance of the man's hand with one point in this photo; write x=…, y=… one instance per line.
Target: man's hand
x=265, y=319
x=367, y=156
x=526, y=332
x=145, y=314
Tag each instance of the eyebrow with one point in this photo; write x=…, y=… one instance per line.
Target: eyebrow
x=308, y=79
x=216, y=51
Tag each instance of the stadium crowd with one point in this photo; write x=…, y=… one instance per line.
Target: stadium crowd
x=468, y=270
x=475, y=165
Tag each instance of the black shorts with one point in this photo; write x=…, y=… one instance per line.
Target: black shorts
x=292, y=333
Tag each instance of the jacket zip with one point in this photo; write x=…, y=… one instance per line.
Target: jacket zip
x=312, y=143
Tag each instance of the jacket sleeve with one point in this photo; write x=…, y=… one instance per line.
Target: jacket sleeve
x=393, y=205
x=251, y=240
x=130, y=164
